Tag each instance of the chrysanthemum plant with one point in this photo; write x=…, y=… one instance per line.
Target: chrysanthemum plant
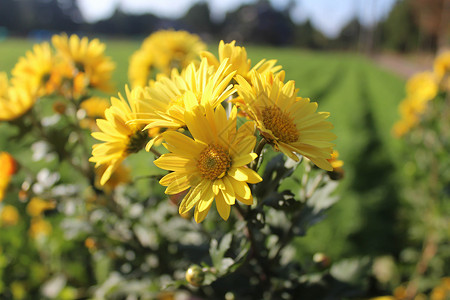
x=424, y=128
x=237, y=166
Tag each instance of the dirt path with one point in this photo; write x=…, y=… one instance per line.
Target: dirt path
x=404, y=66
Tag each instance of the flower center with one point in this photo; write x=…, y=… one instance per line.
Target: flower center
x=137, y=141
x=280, y=124
x=214, y=161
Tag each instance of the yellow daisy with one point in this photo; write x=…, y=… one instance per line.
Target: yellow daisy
x=212, y=165
x=289, y=123
x=15, y=99
x=120, y=137
x=141, y=63
x=173, y=49
x=87, y=59
x=237, y=58
x=166, y=100
x=35, y=69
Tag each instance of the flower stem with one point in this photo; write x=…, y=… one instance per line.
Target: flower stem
x=254, y=165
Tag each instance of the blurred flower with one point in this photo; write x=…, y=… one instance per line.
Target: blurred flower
x=442, y=69
x=422, y=87
x=400, y=292
x=15, y=99
x=441, y=291
x=95, y=108
x=120, y=136
x=37, y=206
x=167, y=49
x=337, y=164
x=167, y=100
x=35, y=70
x=289, y=123
x=237, y=58
x=120, y=176
x=89, y=65
x=212, y=164
x=90, y=243
x=141, y=63
x=39, y=227
x=9, y=216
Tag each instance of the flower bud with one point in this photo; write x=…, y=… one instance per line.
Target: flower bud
x=195, y=275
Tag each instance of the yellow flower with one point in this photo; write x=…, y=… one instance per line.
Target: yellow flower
x=15, y=99
x=37, y=206
x=410, y=110
x=173, y=49
x=9, y=215
x=120, y=136
x=442, y=69
x=167, y=100
x=212, y=165
x=237, y=58
x=94, y=108
x=422, y=86
x=39, y=227
x=289, y=123
x=35, y=69
x=139, y=71
x=87, y=59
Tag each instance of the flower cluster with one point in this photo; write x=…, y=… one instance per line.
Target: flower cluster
x=72, y=67
x=420, y=89
x=210, y=116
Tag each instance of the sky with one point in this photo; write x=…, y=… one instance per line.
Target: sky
x=329, y=16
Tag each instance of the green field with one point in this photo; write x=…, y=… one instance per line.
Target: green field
x=362, y=100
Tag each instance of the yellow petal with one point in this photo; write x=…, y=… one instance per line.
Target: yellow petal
x=222, y=206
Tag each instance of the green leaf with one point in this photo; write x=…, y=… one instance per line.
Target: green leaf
x=217, y=251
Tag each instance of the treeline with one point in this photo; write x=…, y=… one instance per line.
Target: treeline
x=411, y=25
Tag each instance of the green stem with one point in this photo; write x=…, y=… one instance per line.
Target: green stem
x=156, y=152
x=254, y=165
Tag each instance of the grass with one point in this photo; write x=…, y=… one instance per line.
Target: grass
x=362, y=100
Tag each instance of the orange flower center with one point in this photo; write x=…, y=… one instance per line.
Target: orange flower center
x=281, y=125
x=214, y=162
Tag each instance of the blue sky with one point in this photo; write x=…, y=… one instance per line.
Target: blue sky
x=329, y=16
